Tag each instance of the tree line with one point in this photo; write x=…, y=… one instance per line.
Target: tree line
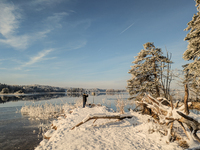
x=96, y=90
x=20, y=89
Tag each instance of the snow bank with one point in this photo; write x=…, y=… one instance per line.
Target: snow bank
x=127, y=134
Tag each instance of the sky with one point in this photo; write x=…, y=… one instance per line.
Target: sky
x=86, y=43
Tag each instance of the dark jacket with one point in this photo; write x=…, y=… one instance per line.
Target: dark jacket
x=85, y=97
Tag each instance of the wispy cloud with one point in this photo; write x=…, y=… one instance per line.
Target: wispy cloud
x=127, y=28
x=18, y=42
x=38, y=57
x=42, y=34
x=76, y=44
x=85, y=24
x=55, y=19
x=40, y=5
x=49, y=2
x=9, y=18
x=9, y=23
x=50, y=23
x=35, y=59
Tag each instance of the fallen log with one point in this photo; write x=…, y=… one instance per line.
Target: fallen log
x=171, y=120
x=191, y=123
x=119, y=117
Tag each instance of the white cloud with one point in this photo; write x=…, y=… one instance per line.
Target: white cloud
x=38, y=58
x=9, y=23
x=18, y=42
x=9, y=19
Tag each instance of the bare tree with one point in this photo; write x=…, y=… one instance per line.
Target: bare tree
x=166, y=78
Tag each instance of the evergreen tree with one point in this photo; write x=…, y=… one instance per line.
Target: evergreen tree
x=147, y=71
x=192, y=70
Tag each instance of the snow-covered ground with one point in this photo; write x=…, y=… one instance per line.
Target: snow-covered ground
x=104, y=134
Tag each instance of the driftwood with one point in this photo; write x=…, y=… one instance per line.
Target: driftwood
x=191, y=123
x=119, y=117
x=165, y=115
x=158, y=107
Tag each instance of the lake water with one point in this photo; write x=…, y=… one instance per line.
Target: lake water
x=18, y=132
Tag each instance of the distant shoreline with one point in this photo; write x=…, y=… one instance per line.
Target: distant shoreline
x=25, y=94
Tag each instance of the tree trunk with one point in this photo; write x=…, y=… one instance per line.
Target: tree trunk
x=186, y=99
x=156, y=78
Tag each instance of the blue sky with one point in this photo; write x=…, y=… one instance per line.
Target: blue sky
x=86, y=43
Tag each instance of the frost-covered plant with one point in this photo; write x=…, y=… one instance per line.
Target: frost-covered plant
x=43, y=128
x=78, y=103
x=147, y=71
x=45, y=111
x=103, y=100
x=120, y=104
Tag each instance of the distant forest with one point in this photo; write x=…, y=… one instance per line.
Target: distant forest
x=95, y=90
x=22, y=89
x=25, y=89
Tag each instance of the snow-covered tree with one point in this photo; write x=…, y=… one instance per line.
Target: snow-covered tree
x=192, y=69
x=147, y=71
x=5, y=90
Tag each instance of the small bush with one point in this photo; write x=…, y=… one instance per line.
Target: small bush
x=120, y=105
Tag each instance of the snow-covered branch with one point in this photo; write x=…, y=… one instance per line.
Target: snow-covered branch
x=102, y=116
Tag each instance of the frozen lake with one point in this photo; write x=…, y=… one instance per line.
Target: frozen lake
x=18, y=132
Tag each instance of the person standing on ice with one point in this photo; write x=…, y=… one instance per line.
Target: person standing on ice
x=84, y=99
